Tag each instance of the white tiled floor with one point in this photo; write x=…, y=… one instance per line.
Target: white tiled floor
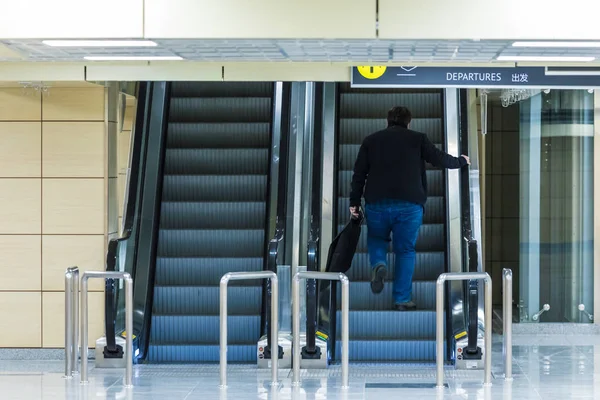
x=545, y=367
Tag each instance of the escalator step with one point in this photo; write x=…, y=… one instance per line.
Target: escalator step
x=354, y=130
x=361, y=297
x=435, y=210
x=204, y=215
x=376, y=105
x=211, y=243
x=221, y=89
x=431, y=238
x=193, y=353
x=220, y=109
x=222, y=135
x=242, y=329
x=435, y=183
x=204, y=300
x=389, y=325
x=217, y=162
x=215, y=188
x=428, y=266
x=203, y=271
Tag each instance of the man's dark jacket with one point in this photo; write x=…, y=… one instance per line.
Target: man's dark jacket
x=392, y=163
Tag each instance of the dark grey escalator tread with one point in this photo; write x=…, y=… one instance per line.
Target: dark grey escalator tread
x=203, y=271
x=389, y=325
x=221, y=89
x=435, y=182
x=193, y=353
x=226, y=109
x=361, y=297
x=347, y=156
x=354, y=130
x=212, y=215
x=211, y=243
x=217, y=161
x=389, y=350
x=360, y=105
x=428, y=266
x=214, y=188
x=435, y=210
x=431, y=238
x=204, y=300
x=247, y=135
x=242, y=329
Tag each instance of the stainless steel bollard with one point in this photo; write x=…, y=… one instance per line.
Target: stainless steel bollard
x=71, y=313
x=330, y=276
x=242, y=276
x=128, y=320
x=507, y=322
x=439, y=319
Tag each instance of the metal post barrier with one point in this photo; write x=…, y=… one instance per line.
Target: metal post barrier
x=507, y=322
x=330, y=276
x=71, y=318
x=243, y=276
x=128, y=320
x=439, y=316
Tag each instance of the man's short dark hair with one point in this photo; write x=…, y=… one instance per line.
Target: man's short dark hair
x=399, y=116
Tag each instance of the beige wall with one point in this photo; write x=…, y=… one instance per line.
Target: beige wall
x=290, y=19
x=53, y=184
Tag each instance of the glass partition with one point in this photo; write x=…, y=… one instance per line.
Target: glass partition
x=556, y=206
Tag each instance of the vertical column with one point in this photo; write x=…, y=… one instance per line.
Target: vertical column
x=296, y=154
x=307, y=167
x=530, y=163
x=596, y=206
x=455, y=244
x=111, y=118
x=328, y=206
x=127, y=106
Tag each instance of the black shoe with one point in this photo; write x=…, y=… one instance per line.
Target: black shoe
x=378, y=278
x=408, y=306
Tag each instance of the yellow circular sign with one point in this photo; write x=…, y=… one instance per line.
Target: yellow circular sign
x=372, y=72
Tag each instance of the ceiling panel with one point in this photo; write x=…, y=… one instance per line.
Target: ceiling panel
x=300, y=50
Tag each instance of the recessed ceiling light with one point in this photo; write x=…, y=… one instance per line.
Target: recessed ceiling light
x=556, y=44
x=99, y=43
x=546, y=58
x=133, y=58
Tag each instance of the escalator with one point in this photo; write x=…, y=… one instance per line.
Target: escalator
x=206, y=179
x=376, y=332
x=202, y=204
x=213, y=219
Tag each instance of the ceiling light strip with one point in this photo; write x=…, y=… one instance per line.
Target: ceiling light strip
x=99, y=43
x=557, y=44
x=545, y=58
x=133, y=58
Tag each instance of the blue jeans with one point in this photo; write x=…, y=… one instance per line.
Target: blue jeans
x=402, y=220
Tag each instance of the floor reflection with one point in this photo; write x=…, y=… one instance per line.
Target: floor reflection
x=547, y=368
